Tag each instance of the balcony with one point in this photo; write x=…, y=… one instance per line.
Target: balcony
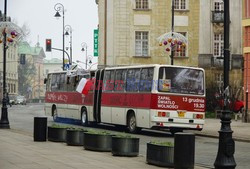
x=217, y=16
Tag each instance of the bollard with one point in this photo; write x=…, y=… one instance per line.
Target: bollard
x=40, y=128
x=184, y=149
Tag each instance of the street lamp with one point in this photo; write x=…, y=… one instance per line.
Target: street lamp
x=85, y=48
x=10, y=33
x=68, y=30
x=226, y=149
x=60, y=8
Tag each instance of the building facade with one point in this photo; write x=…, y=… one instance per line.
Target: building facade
x=128, y=31
x=11, y=66
x=52, y=65
x=211, y=43
x=34, y=56
x=246, y=51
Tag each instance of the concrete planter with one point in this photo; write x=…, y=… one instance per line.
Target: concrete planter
x=160, y=155
x=75, y=137
x=57, y=134
x=97, y=141
x=124, y=146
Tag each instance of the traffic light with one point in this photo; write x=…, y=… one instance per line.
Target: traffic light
x=48, y=45
x=22, y=59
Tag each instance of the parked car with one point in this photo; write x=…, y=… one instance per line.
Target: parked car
x=21, y=100
x=12, y=99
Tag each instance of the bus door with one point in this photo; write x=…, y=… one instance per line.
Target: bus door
x=97, y=95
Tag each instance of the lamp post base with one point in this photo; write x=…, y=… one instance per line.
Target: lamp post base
x=4, y=123
x=225, y=155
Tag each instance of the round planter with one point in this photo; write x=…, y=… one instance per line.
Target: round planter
x=97, y=142
x=122, y=146
x=160, y=155
x=74, y=137
x=57, y=134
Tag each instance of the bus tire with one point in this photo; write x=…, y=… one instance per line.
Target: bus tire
x=84, y=117
x=54, y=114
x=131, y=123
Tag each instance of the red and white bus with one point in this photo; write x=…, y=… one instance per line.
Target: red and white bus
x=143, y=96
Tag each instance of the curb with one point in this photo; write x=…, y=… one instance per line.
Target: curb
x=246, y=140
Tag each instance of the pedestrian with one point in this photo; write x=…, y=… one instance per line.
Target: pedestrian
x=8, y=100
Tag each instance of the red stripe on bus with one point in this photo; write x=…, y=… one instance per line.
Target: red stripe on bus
x=69, y=98
x=154, y=101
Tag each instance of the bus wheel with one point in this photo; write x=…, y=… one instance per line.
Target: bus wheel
x=173, y=131
x=131, y=123
x=54, y=113
x=84, y=117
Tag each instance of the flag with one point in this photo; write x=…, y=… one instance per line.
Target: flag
x=84, y=86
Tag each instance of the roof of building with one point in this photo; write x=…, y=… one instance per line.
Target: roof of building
x=52, y=61
x=25, y=48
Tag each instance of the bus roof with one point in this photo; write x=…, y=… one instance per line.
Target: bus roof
x=150, y=65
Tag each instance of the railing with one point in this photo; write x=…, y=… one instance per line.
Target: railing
x=217, y=16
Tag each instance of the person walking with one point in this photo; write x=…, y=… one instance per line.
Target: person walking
x=8, y=100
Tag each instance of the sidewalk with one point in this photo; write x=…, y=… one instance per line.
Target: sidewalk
x=19, y=151
x=241, y=131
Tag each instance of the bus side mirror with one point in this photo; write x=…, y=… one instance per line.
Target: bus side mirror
x=45, y=81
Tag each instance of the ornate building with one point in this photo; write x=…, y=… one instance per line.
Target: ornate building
x=34, y=56
x=11, y=67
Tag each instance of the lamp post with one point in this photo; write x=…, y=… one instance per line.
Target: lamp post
x=225, y=155
x=85, y=48
x=60, y=8
x=4, y=123
x=68, y=30
x=172, y=30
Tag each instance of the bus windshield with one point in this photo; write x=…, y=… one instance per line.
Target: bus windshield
x=181, y=80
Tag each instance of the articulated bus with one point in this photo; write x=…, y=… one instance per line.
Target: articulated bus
x=142, y=96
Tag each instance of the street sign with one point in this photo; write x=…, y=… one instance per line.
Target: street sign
x=96, y=32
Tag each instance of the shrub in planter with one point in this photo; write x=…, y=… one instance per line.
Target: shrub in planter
x=75, y=136
x=57, y=133
x=98, y=141
x=125, y=145
x=160, y=153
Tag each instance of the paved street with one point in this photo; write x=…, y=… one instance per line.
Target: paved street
x=21, y=121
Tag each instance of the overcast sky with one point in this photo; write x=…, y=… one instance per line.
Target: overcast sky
x=38, y=15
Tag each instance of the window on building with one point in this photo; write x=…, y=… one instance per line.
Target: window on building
x=218, y=44
x=180, y=50
x=141, y=43
x=141, y=4
x=219, y=6
x=180, y=4
x=247, y=8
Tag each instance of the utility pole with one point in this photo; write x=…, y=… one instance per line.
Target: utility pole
x=225, y=155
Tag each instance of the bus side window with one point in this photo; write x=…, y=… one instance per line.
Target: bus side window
x=53, y=83
x=61, y=85
x=109, y=80
x=48, y=83
x=120, y=80
x=146, y=80
x=133, y=79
